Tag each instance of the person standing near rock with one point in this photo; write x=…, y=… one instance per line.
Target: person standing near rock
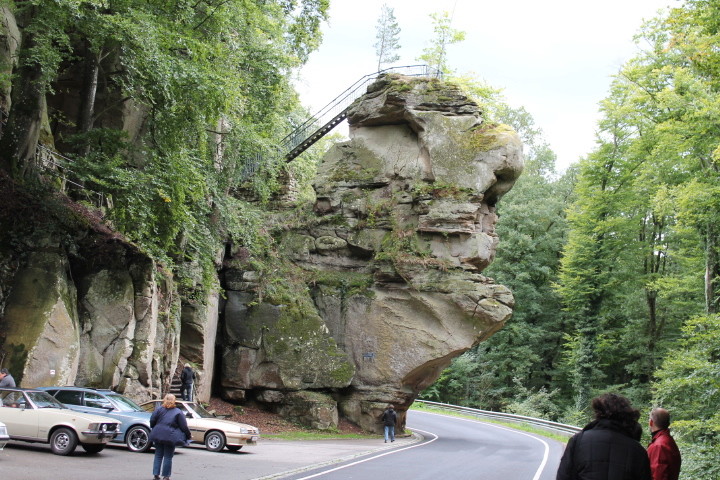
x=663, y=452
x=6, y=380
x=187, y=377
x=389, y=418
x=169, y=429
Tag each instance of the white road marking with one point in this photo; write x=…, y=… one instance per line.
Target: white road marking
x=375, y=456
x=547, y=447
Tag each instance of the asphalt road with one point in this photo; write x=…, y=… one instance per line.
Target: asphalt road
x=456, y=449
x=269, y=459
x=450, y=448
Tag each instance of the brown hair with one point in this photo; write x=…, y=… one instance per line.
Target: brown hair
x=169, y=401
x=610, y=406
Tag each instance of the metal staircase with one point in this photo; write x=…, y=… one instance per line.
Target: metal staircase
x=332, y=114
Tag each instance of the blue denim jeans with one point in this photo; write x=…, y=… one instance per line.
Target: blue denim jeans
x=163, y=457
x=389, y=433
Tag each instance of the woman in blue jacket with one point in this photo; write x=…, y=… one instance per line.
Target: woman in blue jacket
x=169, y=428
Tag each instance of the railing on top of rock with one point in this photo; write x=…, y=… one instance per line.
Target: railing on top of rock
x=55, y=164
x=332, y=114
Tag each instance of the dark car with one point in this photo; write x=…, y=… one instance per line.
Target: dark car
x=134, y=421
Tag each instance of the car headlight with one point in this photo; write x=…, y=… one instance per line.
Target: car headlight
x=3, y=430
x=98, y=427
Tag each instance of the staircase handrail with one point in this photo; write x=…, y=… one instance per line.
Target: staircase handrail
x=340, y=103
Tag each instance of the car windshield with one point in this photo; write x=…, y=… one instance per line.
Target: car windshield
x=199, y=410
x=44, y=400
x=125, y=404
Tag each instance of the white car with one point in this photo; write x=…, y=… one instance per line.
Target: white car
x=3, y=436
x=216, y=433
x=34, y=416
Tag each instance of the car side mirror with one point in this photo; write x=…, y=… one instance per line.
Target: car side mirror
x=188, y=415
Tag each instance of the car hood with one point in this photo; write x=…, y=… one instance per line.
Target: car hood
x=90, y=418
x=226, y=425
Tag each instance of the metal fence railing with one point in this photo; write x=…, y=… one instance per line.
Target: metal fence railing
x=328, y=117
x=55, y=164
x=547, y=425
x=334, y=112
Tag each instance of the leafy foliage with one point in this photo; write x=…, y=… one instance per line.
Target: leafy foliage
x=435, y=54
x=689, y=386
x=209, y=85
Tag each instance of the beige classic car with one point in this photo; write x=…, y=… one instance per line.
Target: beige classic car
x=3, y=436
x=214, y=432
x=34, y=416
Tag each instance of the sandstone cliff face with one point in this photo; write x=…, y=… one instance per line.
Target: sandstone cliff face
x=102, y=320
x=9, y=42
x=393, y=252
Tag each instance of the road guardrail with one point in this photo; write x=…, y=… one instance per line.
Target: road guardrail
x=547, y=425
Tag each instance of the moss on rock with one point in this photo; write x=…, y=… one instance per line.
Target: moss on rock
x=489, y=137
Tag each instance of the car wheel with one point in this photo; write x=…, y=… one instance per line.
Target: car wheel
x=93, y=447
x=214, y=441
x=63, y=441
x=233, y=448
x=137, y=439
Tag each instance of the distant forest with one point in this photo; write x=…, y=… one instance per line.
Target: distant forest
x=615, y=264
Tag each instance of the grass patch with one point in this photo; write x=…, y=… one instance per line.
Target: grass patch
x=517, y=426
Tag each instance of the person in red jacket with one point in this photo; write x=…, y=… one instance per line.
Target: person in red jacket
x=663, y=452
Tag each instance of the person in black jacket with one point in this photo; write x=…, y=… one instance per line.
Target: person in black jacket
x=169, y=428
x=187, y=377
x=607, y=448
x=389, y=418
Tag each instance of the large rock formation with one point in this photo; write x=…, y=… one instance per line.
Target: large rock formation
x=363, y=300
x=392, y=253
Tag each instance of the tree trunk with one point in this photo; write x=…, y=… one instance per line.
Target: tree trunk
x=90, y=82
x=653, y=330
x=20, y=138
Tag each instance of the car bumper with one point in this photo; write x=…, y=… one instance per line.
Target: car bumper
x=97, y=437
x=241, y=439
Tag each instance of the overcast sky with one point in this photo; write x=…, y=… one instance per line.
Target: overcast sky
x=554, y=57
